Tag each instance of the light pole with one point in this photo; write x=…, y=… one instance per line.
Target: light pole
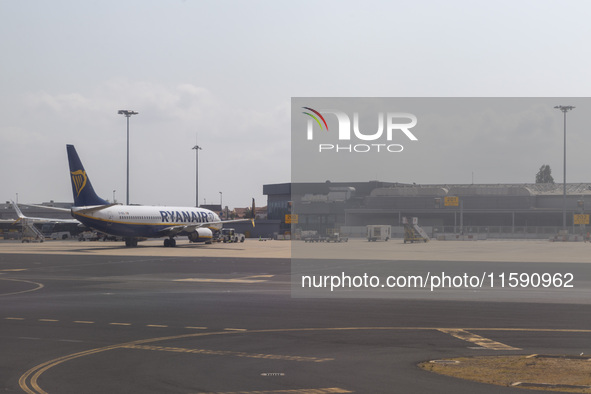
x=564, y=109
x=127, y=113
x=221, y=205
x=114, y=196
x=197, y=149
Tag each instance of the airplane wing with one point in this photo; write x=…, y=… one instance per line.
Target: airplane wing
x=233, y=221
x=29, y=219
x=87, y=210
x=47, y=207
x=46, y=220
x=173, y=230
x=94, y=209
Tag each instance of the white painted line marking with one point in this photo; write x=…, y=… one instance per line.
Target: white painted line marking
x=327, y=390
x=210, y=280
x=476, y=339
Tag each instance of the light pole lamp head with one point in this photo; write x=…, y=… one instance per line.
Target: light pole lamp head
x=564, y=108
x=126, y=112
x=197, y=147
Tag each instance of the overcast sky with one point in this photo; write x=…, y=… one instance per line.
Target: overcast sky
x=222, y=73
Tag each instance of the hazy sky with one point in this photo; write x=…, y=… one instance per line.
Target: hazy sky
x=492, y=140
x=222, y=73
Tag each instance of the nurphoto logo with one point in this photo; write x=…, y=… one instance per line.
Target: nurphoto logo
x=395, y=122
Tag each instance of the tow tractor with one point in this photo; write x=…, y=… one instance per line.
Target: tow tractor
x=230, y=235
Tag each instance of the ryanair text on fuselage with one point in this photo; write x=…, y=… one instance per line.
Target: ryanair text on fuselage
x=185, y=217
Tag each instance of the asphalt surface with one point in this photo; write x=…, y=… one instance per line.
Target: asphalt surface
x=76, y=323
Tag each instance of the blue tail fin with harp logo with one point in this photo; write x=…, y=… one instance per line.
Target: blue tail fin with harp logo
x=84, y=194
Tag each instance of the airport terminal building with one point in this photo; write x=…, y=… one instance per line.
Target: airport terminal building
x=500, y=210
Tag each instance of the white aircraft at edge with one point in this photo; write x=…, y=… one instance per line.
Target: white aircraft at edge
x=31, y=220
x=136, y=222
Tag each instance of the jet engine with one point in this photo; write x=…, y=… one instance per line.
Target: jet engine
x=201, y=234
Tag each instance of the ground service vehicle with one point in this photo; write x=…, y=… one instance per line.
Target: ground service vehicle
x=336, y=237
x=88, y=236
x=378, y=232
x=314, y=238
x=230, y=235
x=61, y=235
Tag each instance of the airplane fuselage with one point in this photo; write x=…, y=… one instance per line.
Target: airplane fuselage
x=146, y=221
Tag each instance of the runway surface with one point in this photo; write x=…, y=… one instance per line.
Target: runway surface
x=105, y=319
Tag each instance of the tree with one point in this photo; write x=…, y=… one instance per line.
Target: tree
x=544, y=175
x=248, y=213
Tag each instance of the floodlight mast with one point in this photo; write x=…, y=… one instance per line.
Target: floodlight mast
x=564, y=109
x=127, y=113
x=197, y=148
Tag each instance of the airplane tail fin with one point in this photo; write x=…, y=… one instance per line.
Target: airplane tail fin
x=84, y=194
x=17, y=210
x=18, y=213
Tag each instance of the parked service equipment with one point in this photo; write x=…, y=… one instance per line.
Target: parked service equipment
x=313, y=236
x=336, y=237
x=413, y=232
x=378, y=232
x=230, y=235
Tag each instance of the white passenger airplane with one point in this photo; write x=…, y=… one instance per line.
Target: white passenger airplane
x=136, y=222
x=30, y=219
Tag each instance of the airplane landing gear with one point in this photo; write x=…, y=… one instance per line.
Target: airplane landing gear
x=169, y=243
x=130, y=243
